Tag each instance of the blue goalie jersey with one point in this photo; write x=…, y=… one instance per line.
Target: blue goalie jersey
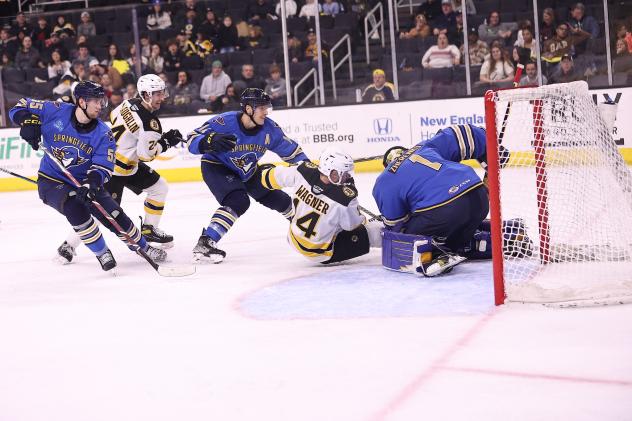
x=429, y=174
x=251, y=144
x=79, y=152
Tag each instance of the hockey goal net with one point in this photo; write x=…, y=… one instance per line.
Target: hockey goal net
x=561, y=205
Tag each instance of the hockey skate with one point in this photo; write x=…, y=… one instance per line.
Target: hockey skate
x=157, y=236
x=205, y=251
x=65, y=253
x=156, y=254
x=440, y=265
x=107, y=260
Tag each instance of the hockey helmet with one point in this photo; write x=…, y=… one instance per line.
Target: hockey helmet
x=254, y=97
x=392, y=154
x=149, y=84
x=336, y=165
x=87, y=90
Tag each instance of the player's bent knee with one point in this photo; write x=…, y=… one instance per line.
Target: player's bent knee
x=238, y=201
x=158, y=190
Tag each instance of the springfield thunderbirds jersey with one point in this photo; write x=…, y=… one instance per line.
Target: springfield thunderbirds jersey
x=78, y=151
x=321, y=210
x=137, y=131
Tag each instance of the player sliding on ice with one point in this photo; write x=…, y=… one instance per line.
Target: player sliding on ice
x=426, y=191
x=232, y=144
x=327, y=226
x=85, y=147
x=139, y=139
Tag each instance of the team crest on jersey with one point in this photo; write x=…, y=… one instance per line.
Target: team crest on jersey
x=219, y=120
x=69, y=156
x=153, y=123
x=245, y=162
x=58, y=125
x=348, y=191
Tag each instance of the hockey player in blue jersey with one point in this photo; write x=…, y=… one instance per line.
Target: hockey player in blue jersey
x=85, y=147
x=231, y=145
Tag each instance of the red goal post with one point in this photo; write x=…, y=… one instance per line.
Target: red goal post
x=561, y=207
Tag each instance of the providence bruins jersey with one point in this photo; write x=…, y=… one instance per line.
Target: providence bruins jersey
x=321, y=210
x=136, y=131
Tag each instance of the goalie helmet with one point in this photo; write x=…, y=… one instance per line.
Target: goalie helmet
x=336, y=165
x=392, y=154
x=149, y=84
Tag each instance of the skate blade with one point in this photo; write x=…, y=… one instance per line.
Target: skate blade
x=60, y=260
x=202, y=259
x=163, y=246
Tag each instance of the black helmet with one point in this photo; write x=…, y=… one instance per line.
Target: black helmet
x=254, y=97
x=87, y=89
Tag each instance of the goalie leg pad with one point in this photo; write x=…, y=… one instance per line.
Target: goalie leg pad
x=399, y=251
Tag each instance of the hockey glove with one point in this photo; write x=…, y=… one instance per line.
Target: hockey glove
x=86, y=194
x=218, y=142
x=266, y=166
x=31, y=131
x=170, y=139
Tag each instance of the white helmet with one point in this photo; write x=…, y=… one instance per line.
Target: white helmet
x=148, y=84
x=336, y=165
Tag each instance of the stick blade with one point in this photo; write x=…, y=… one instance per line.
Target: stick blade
x=176, y=271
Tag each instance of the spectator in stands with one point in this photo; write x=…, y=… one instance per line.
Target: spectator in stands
x=116, y=60
x=420, y=30
x=41, y=32
x=309, y=9
x=133, y=59
x=210, y=26
x=54, y=43
x=255, y=39
x=94, y=68
x=258, y=10
x=185, y=92
x=290, y=8
x=158, y=19
x=455, y=33
x=446, y=21
x=6, y=62
x=566, y=71
x=156, y=61
x=56, y=66
x=115, y=99
x=520, y=55
x=190, y=5
x=579, y=23
x=27, y=57
x=214, y=85
x=64, y=87
x=623, y=58
x=497, y=70
x=83, y=55
x=185, y=44
x=295, y=49
x=330, y=7
x=173, y=57
x=78, y=41
x=311, y=50
x=86, y=27
x=548, y=25
x=228, y=39
x=380, y=90
x=441, y=55
x=169, y=87
x=145, y=45
x=62, y=28
x=526, y=41
x=621, y=30
x=431, y=9
x=203, y=45
x=130, y=91
x=479, y=50
x=190, y=23
x=275, y=86
x=531, y=75
x=77, y=72
x=562, y=43
x=249, y=79
x=229, y=101
x=7, y=45
x=457, y=6
x=20, y=27
x=492, y=29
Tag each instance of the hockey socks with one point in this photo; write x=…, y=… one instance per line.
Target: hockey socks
x=221, y=221
x=91, y=236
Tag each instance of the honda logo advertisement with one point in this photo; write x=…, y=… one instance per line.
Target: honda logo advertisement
x=383, y=130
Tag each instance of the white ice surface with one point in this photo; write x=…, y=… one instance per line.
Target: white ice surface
x=267, y=335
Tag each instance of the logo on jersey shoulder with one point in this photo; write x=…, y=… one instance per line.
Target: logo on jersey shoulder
x=348, y=191
x=245, y=162
x=153, y=123
x=316, y=189
x=69, y=156
x=219, y=120
x=59, y=125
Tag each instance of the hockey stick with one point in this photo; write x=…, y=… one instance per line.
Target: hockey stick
x=30, y=180
x=184, y=270
x=369, y=213
x=368, y=158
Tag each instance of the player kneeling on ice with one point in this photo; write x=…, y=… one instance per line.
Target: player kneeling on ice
x=426, y=191
x=85, y=147
x=232, y=144
x=139, y=139
x=327, y=226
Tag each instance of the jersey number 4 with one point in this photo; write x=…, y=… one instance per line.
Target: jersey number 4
x=307, y=223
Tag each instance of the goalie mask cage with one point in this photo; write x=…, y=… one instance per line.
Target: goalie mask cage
x=565, y=196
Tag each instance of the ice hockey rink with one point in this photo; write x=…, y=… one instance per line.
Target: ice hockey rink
x=266, y=335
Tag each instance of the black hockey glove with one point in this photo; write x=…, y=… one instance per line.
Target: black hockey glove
x=266, y=166
x=218, y=142
x=31, y=131
x=86, y=194
x=170, y=139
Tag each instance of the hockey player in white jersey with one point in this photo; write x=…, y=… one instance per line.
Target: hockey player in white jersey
x=327, y=226
x=139, y=139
